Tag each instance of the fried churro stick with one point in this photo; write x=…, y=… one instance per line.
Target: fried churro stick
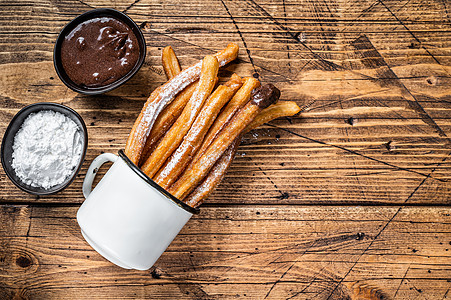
x=166, y=119
x=161, y=97
x=261, y=98
x=217, y=172
x=238, y=101
x=174, y=136
x=274, y=111
x=214, y=177
x=175, y=165
x=171, y=112
x=171, y=65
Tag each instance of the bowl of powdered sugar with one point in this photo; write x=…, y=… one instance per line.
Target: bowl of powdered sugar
x=44, y=147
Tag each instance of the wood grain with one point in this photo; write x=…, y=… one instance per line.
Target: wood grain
x=348, y=200
x=376, y=102
x=284, y=251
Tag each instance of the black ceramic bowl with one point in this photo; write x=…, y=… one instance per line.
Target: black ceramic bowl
x=96, y=13
x=13, y=128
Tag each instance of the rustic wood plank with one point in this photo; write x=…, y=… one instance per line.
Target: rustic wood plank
x=285, y=251
x=373, y=78
x=305, y=157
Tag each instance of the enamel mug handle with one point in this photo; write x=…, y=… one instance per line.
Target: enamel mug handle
x=92, y=171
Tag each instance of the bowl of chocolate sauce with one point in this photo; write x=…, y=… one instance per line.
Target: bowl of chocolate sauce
x=98, y=51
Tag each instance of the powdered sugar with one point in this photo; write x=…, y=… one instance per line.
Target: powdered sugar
x=168, y=93
x=46, y=149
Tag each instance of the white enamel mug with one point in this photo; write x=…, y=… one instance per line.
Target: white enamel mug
x=128, y=218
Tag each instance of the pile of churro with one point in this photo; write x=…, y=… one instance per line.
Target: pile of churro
x=189, y=129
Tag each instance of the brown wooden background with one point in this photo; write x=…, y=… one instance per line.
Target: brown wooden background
x=348, y=200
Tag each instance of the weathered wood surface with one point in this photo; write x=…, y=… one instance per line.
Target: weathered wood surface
x=373, y=78
x=374, y=81
x=299, y=252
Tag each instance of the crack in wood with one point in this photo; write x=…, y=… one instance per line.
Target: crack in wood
x=240, y=34
x=131, y=5
x=326, y=64
x=325, y=18
x=278, y=280
x=287, y=44
x=291, y=266
x=357, y=153
x=411, y=33
x=308, y=285
x=29, y=225
x=362, y=13
x=238, y=60
x=84, y=3
x=446, y=294
x=373, y=59
x=283, y=195
x=385, y=226
x=402, y=280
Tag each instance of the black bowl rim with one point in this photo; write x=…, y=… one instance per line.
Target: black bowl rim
x=89, y=15
x=156, y=185
x=45, y=106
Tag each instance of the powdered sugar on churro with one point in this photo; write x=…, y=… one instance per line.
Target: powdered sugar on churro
x=161, y=97
x=171, y=89
x=214, y=177
x=199, y=169
x=174, y=136
x=193, y=139
x=168, y=93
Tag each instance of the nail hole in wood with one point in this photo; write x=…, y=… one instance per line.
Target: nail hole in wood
x=155, y=274
x=145, y=26
x=350, y=121
x=388, y=146
x=23, y=262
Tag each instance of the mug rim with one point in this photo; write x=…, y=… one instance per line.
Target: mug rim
x=148, y=180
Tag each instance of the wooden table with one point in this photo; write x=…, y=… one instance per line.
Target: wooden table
x=348, y=200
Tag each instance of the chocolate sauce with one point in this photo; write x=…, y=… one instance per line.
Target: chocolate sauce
x=99, y=51
x=265, y=95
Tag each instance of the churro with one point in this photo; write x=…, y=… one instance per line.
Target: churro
x=165, y=120
x=186, y=137
x=274, y=111
x=175, y=165
x=217, y=172
x=171, y=65
x=174, y=136
x=241, y=97
x=171, y=112
x=214, y=177
x=161, y=97
x=262, y=97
